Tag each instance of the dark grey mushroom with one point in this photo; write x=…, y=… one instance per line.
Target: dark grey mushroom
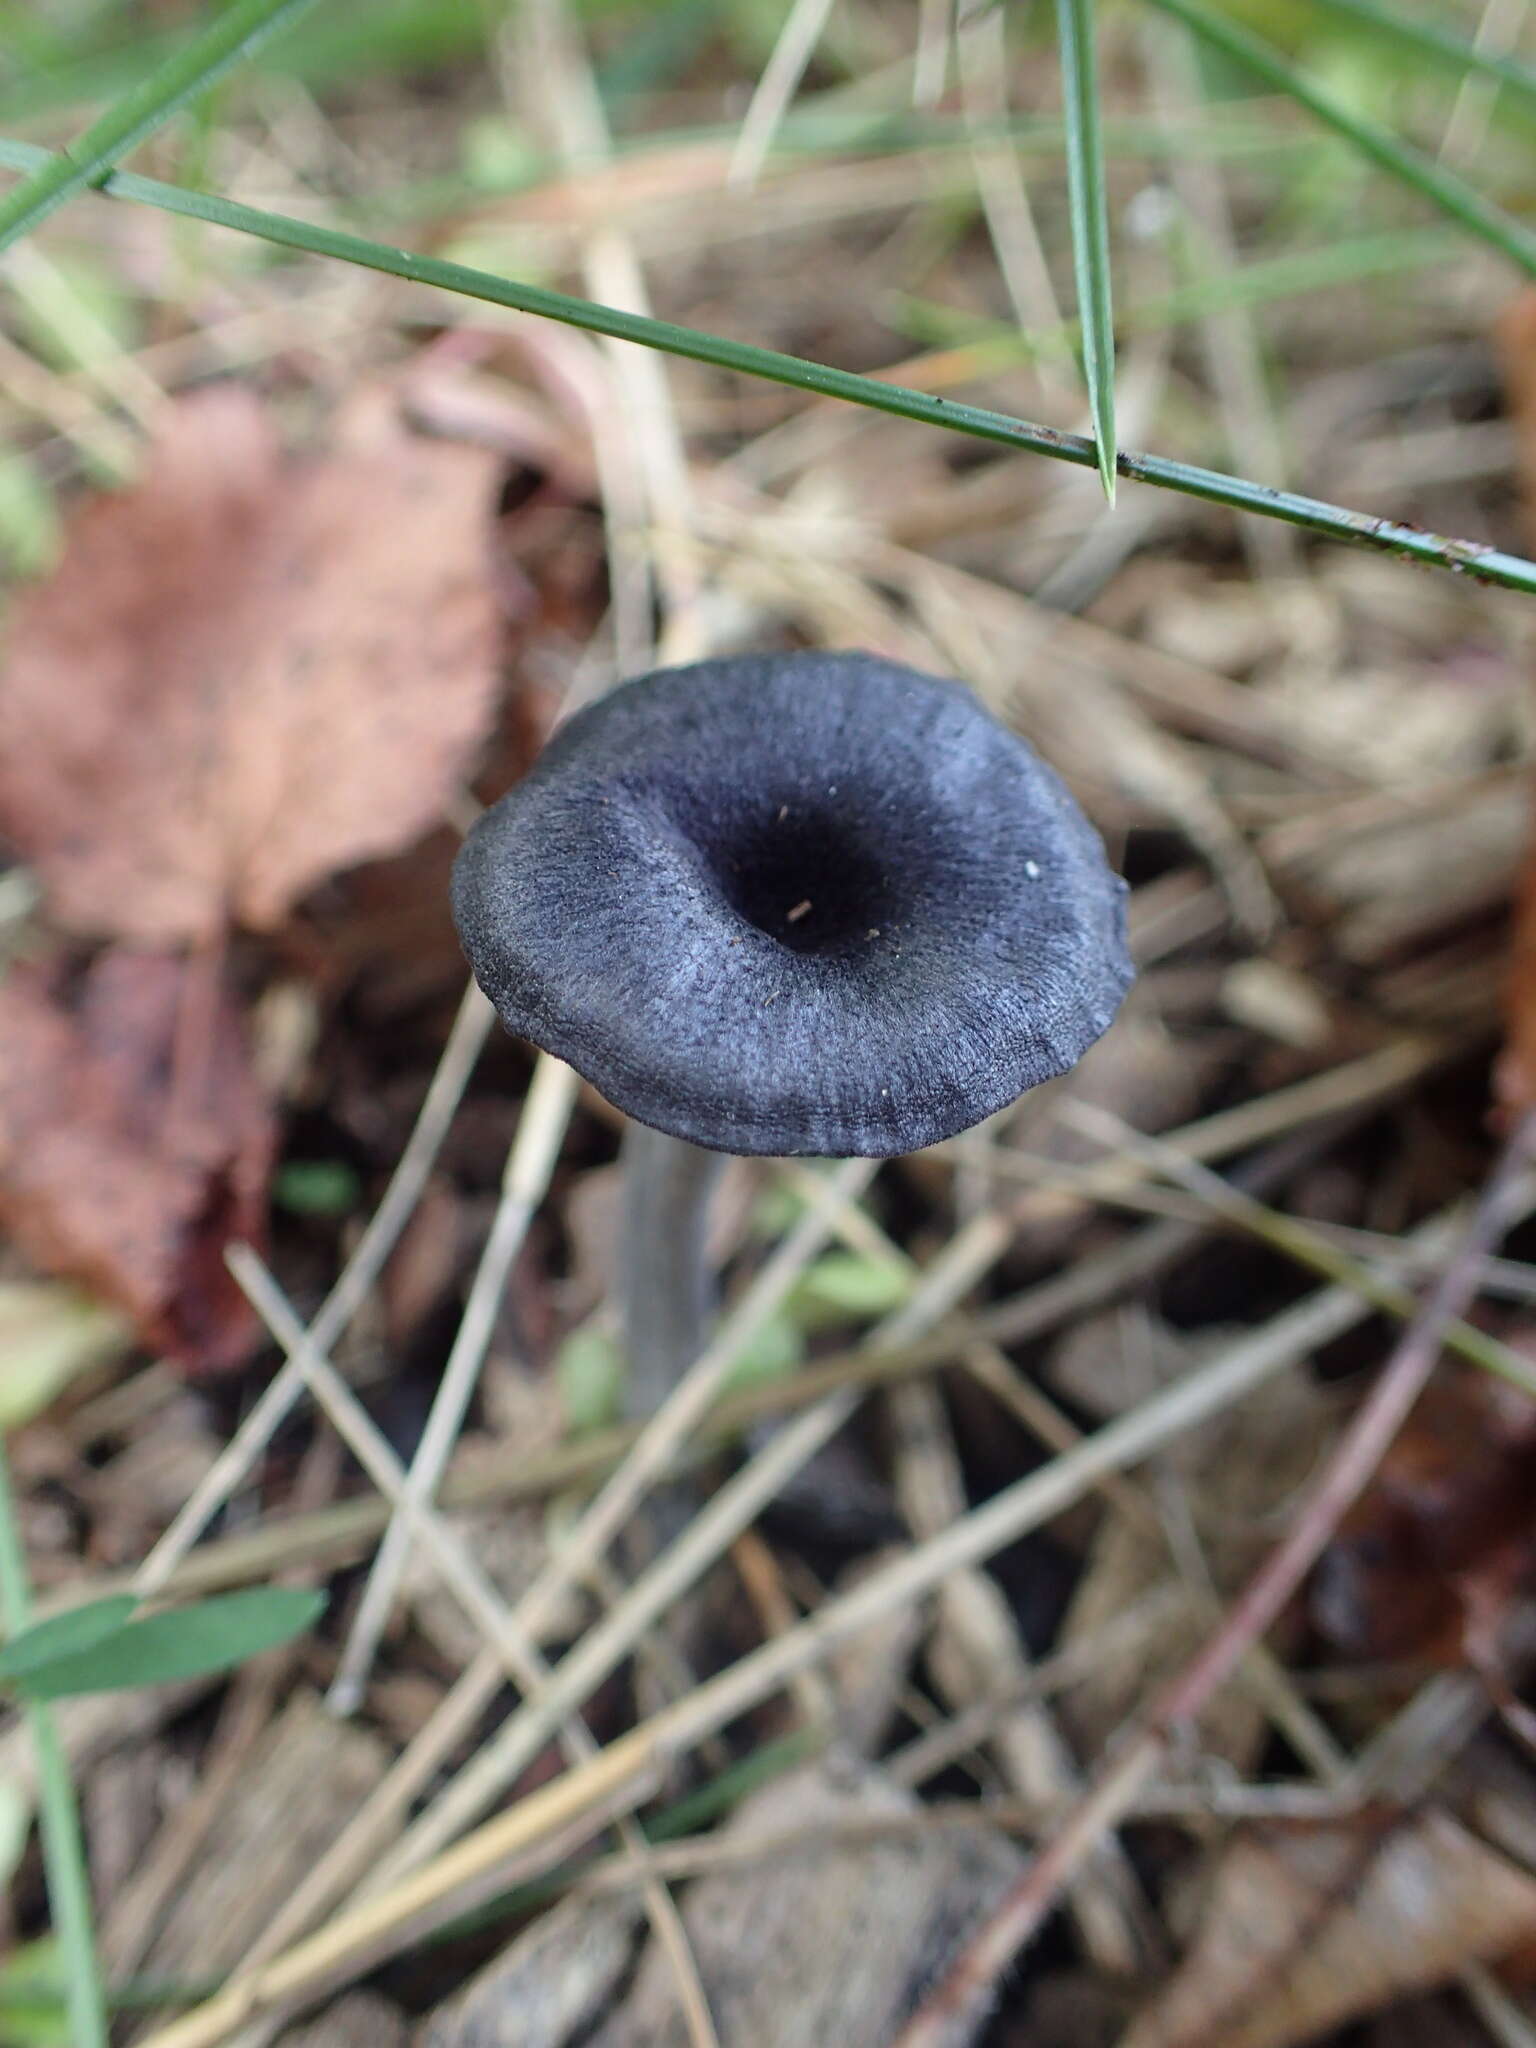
x=788, y=903
x=796, y=903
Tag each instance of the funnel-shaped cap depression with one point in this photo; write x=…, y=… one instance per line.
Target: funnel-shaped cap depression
x=796, y=903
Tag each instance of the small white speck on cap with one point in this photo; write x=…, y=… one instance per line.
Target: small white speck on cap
x=1032, y=869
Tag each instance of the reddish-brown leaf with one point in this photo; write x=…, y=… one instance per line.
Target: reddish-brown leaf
x=248, y=672
x=134, y=1143
x=1427, y=1563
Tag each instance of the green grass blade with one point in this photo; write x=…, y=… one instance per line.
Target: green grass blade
x=1090, y=222
x=65, y=1635
x=1437, y=44
x=1453, y=195
x=69, y=1884
x=1473, y=559
x=233, y=35
x=183, y=1642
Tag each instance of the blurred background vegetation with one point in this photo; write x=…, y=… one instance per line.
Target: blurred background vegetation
x=1312, y=763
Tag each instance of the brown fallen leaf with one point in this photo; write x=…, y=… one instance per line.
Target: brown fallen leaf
x=134, y=1143
x=359, y=2020
x=248, y=672
x=1309, y=1928
x=302, y=1780
x=1429, y=1561
x=802, y=1938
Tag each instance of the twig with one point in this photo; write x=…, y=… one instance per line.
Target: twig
x=365, y=1932
x=967, y=1987
x=1299, y=1241
x=974, y=1650
x=650, y=1456
x=626, y=1771
x=982, y=57
x=1498, y=32
x=645, y=470
x=530, y=1162
x=513, y=1648
x=729, y=1510
x=1371, y=1078
x=776, y=87
x=1499, y=2013
x=343, y=1301
x=341, y=1533
x=930, y=61
x=516, y=1652
x=1233, y=352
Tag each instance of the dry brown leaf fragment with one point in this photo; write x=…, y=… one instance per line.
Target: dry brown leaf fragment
x=1432, y=1557
x=248, y=672
x=813, y=1931
x=134, y=1144
x=305, y=1776
x=1309, y=1928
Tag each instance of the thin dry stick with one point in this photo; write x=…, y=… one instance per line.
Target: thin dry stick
x=762, y=1580
x=618, y=460
x=974, y=1648
x=991, y=1367
x=855, y=1228
x=732, y=1508
x=462, y=1575
x=540, y=1132
x=966, y=1989
x=930, y=62
x=656, y=472
x=1498, y=33
x=626, y=1771
x=1499, y=2013
x=345, y=1298
x=982, y=54
x=339, y=1533
x=776, y=87
x=924, y=1756
x=366, y=1932
x=520, y=1655
x=1269, y=1684
x=53, y=298
x=1298, y=1240
x=699, y=1855
x=649, y=1457
x=71, y=409
x=1233, y=353
x=1352, y=1085
x=1507, y=1279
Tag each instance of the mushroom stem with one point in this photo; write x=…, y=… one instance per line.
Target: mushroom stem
x=667, y=1289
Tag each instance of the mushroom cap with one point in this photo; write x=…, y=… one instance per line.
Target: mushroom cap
x=796, y=903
